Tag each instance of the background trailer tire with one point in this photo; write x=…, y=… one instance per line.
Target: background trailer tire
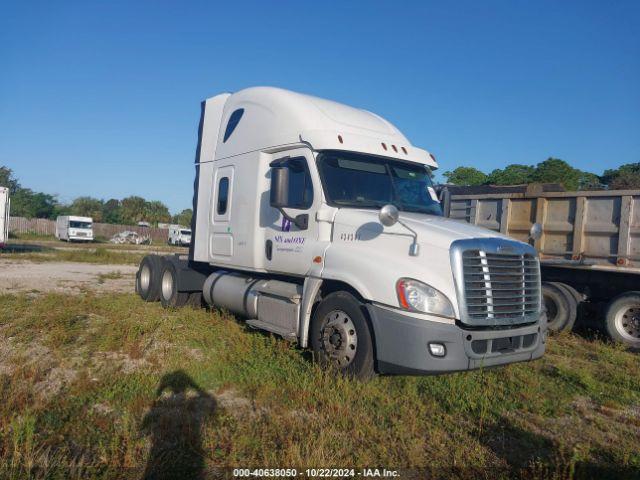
x=622, y=319
x=573, y=299
x=561, y=306
x=574, y=293
x=148, y=278
x=341, y=338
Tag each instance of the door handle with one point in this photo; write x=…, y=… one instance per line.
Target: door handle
x=268, y=249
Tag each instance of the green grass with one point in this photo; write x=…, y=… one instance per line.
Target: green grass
x=23, y=241
x=99, y=255
x=31, y=236
x=94, y=386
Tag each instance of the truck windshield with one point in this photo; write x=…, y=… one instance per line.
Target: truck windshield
x=76, y=224
x=365, y=181
x=185, y=232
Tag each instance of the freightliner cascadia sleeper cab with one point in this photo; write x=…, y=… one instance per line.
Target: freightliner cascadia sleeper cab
x=318, y=222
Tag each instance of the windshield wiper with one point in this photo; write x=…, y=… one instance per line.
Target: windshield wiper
x=361, y=204
x=426, y=211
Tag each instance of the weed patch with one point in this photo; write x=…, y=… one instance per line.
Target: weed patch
x=95, y=385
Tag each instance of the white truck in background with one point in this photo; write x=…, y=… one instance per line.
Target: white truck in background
x=73, y=228
x=179, y=235
x=318, y=222
x=5, y=207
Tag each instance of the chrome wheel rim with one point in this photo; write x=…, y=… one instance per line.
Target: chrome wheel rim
x=145, y=278
x=167, y=284
x=339, y=338
x=627, y=322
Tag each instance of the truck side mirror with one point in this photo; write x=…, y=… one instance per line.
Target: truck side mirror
x=388, y=215
x=279, y=196
x=536, y=231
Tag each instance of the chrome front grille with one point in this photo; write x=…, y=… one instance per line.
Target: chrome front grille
x=498, y=282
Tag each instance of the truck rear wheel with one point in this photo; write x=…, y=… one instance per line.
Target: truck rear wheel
x=341, y=338
x=558, y=304
x=622, y=319
x=169, y=294
x=148, y=278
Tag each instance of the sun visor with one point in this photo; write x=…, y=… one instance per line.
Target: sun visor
x=385, y=146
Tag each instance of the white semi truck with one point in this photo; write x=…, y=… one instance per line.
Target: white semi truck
x=5, y=205
x=318, y=222
x=74, y=228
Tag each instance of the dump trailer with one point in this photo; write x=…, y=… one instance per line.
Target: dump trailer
x=5, y=205
x=589, y=248
x=318, y=222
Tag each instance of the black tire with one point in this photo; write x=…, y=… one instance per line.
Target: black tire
x=148, y=278
x=195, y=300
x=339, y=328
x=170, y=297
x=572, y=296
x=577, y=295
x=557, y=306
x=622, y=319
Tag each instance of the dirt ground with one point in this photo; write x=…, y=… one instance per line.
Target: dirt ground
x=65, y=277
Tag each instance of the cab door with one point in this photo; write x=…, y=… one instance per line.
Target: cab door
x=291, y=249
x=220, y=233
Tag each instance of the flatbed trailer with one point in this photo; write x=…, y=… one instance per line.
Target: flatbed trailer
x=589, y=248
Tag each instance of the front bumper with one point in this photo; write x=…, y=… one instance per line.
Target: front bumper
x=402, y=344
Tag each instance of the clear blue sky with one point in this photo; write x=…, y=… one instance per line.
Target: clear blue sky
x=103, y=98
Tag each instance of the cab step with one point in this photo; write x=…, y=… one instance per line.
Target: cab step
x=270, y=327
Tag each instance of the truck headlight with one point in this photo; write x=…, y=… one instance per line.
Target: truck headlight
x=420, y=297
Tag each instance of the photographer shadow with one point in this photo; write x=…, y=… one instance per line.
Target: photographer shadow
x=174, y=424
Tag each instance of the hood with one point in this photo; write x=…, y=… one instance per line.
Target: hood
x=371, y=258
x=432, y=230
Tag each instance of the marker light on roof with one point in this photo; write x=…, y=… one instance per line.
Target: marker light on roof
x=384, y=145
x=395, y=149
x=404, y=150
x=340, y=138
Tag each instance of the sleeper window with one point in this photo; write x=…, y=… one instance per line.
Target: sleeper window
x=223, y=196
x=234, y=119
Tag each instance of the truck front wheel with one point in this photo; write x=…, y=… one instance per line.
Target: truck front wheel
x=341, y=338
x=622, y=320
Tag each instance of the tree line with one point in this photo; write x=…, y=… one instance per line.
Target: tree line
x=552, y=170
x=131, y=210
x=127, y=211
